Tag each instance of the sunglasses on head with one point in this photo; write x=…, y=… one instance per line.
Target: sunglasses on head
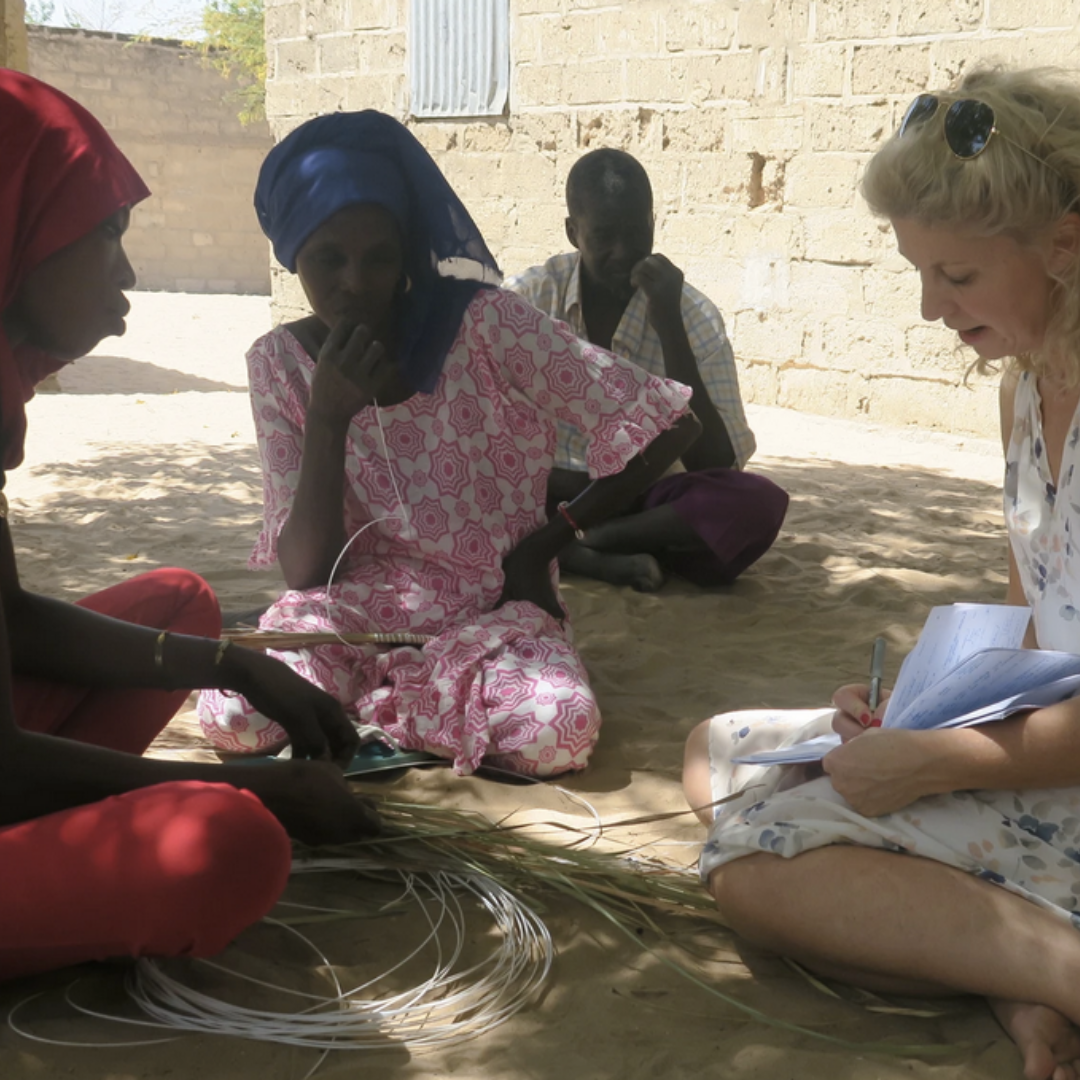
x=968, y=126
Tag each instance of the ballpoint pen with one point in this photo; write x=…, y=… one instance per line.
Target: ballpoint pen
x=877, y=669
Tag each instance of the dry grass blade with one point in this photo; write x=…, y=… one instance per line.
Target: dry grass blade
x=626, y=889
x=280, y=639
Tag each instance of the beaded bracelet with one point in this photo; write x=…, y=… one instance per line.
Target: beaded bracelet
x=564, y=510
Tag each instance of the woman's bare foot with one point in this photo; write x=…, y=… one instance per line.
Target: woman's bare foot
x=640, y=572
x=1047, y=1041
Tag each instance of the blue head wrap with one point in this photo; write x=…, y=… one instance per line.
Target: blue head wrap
x=367, y=157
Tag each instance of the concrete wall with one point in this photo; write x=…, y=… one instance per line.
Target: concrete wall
x=13, y=34
x=754, y=118
x=168, y=112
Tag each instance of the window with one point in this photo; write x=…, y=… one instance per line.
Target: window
x=459, y=57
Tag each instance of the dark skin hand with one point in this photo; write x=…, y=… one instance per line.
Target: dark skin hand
x=353, y=274
x=662, y=283
x=41, y=774
x=352, y=370
x=66, y=305
x=65, y=643
x=527, y=568
x=352, y=271
x=314, y=721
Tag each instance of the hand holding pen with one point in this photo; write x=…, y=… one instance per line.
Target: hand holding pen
x=877, y=670
x=858, y=706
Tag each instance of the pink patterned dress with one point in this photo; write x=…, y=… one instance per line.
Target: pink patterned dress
x=471, y=462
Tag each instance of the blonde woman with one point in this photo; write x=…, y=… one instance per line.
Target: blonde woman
x=958, y=850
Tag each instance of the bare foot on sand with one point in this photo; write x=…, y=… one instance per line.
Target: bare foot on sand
x=1048, y=1042
x=640, y=572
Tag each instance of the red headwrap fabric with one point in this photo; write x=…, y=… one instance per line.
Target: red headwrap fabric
x=60, y=177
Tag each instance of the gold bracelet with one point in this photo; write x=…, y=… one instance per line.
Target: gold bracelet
x=221, y=649
x=159, y=651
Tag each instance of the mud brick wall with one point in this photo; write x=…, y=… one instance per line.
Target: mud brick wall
x=754, y=118
x=170, y=114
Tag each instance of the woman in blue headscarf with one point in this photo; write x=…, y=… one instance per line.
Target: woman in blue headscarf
x=407, y=431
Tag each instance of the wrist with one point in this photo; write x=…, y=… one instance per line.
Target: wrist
x=328, y=420
x=951, y=761
x=229, y=670
x=563, y=510
x=546, y=543
x=182, y=661
x=666, y=315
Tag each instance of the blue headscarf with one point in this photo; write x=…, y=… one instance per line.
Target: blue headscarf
x=367, y=157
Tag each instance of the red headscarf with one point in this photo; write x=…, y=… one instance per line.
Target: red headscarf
x=60, y=177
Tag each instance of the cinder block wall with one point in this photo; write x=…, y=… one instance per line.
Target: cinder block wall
x=755, y=119
x=168, y=112
x=13, y=34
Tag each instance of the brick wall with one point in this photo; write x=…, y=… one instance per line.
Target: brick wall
x=755, y=120
x=168, y=112
x=13, y=34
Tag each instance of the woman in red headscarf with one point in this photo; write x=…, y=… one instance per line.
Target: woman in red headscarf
x=102, y=852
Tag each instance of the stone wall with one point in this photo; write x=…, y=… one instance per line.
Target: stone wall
x=169, y=113
x=13, y=34
x=754, y=118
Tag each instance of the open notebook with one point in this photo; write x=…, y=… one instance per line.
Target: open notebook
x=966, y=668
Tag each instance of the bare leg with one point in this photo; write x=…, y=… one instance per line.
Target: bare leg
x=903, y=924
x=696, y=781
x=1049, y=1044
x=621, y=550
x=641, y=572
x=884, y=929
x=658, y=529
x=632, y=565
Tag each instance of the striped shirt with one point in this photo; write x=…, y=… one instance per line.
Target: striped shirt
x=555, y=288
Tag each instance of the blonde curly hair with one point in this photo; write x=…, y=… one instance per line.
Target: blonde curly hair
x=1024, y=183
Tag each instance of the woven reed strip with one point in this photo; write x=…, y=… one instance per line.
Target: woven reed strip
x=283, y=640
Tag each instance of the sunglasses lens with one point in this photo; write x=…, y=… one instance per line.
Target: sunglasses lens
x=921, y=109
x=968, y=127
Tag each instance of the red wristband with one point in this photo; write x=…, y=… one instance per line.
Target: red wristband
x=564, y=510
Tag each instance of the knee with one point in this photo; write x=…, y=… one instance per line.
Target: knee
x=223, y=860
x=766, y=512
x=741, y=889
x=697, y=743
x=230, y=723
x=697, y=781
x=196, y=601
x=560, y=745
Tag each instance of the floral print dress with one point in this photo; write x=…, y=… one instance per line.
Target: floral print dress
x=1025, y=841
x=471, y=462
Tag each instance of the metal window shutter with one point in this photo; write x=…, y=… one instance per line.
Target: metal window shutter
x=459, y=57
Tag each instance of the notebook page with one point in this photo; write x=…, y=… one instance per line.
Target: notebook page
x=954, y=632
x=984, y=682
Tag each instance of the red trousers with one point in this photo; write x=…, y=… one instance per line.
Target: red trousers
x=169, y=870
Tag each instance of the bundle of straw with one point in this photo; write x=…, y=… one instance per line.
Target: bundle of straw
x=422, y=842
x=421, y=838
x=624, y=886
x=285, y=641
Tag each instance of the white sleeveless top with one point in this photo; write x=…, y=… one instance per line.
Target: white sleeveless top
x=1044, y=521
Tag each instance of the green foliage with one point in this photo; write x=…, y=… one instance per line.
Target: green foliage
x=235, y=44
x=40, y=12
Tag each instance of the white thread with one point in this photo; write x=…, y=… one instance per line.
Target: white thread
x=449, y=1006
x=401, y=515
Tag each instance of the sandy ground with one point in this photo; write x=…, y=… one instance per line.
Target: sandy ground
x=146, y=458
